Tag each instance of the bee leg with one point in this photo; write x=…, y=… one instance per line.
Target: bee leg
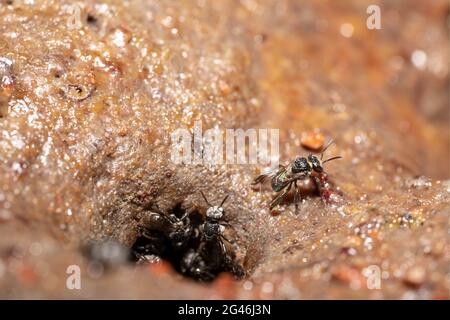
x=185, y=216
x=224, y=249
x=226, y=224
x=139, y=256
x=259, y=179
x=225, y=256
x=280, y=197
x=227, y=240
x=197, y=253
x=296, y=197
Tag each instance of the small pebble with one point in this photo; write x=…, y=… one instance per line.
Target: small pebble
x=415, y=276
x=312, y=140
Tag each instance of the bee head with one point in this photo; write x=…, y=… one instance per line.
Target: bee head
x=315, y=163
x=301, y=165
x=214, y=212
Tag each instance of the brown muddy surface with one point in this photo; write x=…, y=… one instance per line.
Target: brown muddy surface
x=87, y=107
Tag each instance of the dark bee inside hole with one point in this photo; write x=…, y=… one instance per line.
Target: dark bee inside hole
x=57, y=74
x=188, y=252
x=90, y=19
x=77, y=92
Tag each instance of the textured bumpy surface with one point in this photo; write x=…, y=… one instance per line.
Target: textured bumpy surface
x=87, y=107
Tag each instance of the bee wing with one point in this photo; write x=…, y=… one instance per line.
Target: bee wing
x=298, y=176
x=263, y=177
x=260, y=179
x=157, y=221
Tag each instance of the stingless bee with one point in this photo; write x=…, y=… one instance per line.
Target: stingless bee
x=164, y=230
x=285, y=177
x=213, y=227
x=212, y=251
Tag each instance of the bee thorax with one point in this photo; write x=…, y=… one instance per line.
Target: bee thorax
x=212, y=230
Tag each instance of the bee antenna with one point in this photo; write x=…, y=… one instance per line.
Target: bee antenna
x=333, y=158
x=206, y=200
x=224, y=199
x=326, y=147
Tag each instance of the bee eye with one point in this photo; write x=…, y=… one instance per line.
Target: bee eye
x=317, y=166
x=315, y=163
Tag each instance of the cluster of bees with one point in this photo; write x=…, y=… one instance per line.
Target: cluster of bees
x=196, y=244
